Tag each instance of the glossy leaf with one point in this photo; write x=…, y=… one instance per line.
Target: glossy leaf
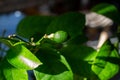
x=33, y=26
x=106, y=63
x=12, y=73
x=54, y=67
x=20, y=57
x=73, y=23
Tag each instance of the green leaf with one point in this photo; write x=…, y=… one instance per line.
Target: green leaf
x=76, y=51
x=78, y=40
x=15, y=74
x=1, y=74
x=20, y=57
x=12, y=73
x=1, y=71
x=106, y=63
x=54, y=67
x=80, y=59
x=33, y=26
x=73, y=23
x=7, y=41
x=108, y=10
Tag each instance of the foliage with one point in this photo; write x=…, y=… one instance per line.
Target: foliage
x=70, y=59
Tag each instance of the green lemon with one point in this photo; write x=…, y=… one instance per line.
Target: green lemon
x=60, y=36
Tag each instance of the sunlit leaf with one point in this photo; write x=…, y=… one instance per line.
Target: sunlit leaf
x=54, y=67
x=33, y=26
x=12, y=73
x=73, y=23
x=80, y=59
x=106, y=64
x=20, y=57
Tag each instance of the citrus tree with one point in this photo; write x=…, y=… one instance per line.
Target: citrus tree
x=53, y=47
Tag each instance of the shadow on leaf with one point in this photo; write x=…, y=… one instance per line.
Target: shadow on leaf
x=113, y=60
x=52, y=69
x=52, y=62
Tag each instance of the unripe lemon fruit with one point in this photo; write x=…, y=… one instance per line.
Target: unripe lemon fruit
x=60, y=36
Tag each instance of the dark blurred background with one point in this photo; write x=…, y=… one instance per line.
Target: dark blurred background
x=55, y=6
x=12, y=11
